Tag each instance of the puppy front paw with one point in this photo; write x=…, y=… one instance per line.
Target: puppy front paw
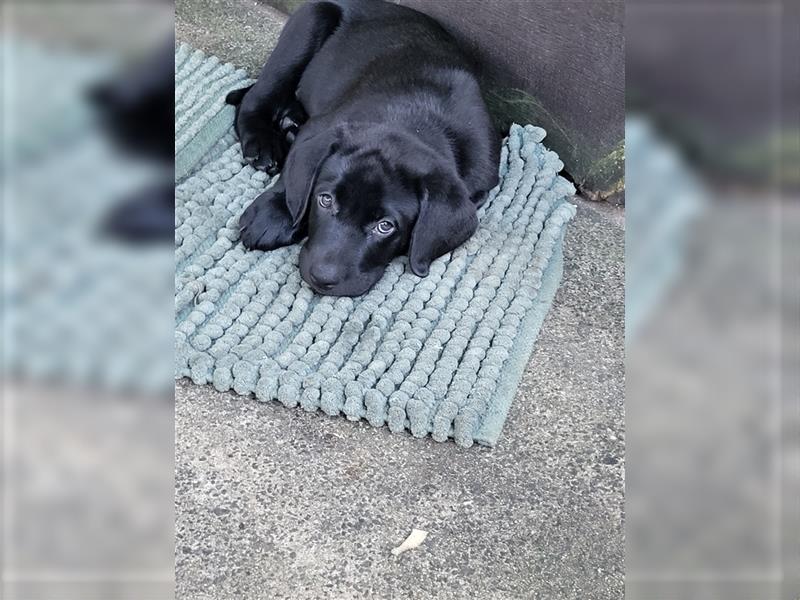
x=266, y=224
x=249, y=231
x=262, y=147
x=266, y=129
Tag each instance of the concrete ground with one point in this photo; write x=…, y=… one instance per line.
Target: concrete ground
x=277, y=503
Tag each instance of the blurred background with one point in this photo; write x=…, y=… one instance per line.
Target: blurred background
x=712, y=175
x=712, y=165
x=87, y=410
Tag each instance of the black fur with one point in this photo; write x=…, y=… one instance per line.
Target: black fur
x=374, y=116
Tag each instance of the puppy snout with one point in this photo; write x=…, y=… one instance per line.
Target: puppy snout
x=324, y=276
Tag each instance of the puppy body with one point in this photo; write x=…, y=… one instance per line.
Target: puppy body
x=391, y=150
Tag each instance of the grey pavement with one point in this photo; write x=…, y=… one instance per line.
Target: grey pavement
x=278, y=503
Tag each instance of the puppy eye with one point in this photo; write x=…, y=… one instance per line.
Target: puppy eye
x=384, y=227
x=325, y=200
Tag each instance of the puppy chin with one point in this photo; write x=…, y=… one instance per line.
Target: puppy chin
x=346, y=288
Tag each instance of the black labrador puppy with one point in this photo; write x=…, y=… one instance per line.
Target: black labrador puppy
x=376, y=120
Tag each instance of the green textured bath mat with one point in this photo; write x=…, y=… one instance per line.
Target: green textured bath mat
x=440, y=355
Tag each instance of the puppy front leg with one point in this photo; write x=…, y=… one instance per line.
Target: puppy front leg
x=268, y=113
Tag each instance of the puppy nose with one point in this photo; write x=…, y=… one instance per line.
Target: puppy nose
x=324, y=275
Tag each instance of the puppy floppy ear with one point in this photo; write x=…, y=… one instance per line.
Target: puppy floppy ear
x=306, y=157
x=234, y=98
x=447, y=218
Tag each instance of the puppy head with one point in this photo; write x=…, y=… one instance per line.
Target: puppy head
x=374, y=196
x=359, y=219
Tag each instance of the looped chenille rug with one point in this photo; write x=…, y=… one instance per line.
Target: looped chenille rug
x=440, y=355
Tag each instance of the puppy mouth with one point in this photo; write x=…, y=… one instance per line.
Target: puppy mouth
x=325, y=290
x=339, y=290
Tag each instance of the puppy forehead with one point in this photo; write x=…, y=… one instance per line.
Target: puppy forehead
x=365, y=190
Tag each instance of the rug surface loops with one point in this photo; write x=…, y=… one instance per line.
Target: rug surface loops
x=440, y=355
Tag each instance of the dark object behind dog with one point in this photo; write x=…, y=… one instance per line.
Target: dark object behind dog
x=137, y=110
x=376, y=119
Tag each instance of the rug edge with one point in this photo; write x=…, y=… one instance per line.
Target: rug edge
x=492, y=426
x=202, y=142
